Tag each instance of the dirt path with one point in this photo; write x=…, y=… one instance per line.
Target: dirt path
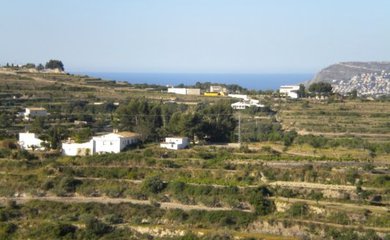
x=319, y=186
x=106, y=200
x=377, y=229
x=336, y=205
x=151, y=167
x=340, y=134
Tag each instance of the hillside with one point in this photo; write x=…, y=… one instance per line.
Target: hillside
x=327, y=179
x=368, y=78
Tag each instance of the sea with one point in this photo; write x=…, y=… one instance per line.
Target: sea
x=249, y=81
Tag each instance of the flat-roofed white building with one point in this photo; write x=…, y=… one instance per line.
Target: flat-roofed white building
x=239, y=96
x=114, y=142
x=29, y=141
x=35, y=112
x=289, y=91
x=175, y=143
x=184, y=91
x=108, y=143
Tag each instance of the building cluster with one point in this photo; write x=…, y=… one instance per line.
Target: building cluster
x=368, y=84
x=214, y=91
x=113, y=142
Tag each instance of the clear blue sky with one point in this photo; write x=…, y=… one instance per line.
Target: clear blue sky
x=226, y=36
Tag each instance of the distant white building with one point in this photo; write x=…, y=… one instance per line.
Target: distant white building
x=218, y=89
x=175, y=143
x=239, y=96
x=289, y=91
x=109, y=143
x=35, y=112
x=184, y=91
x=29, y=141
x=246, y=104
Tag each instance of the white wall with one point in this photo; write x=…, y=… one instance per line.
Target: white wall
x=76, y=149
x=28, y=140
x=171, y=146
x=193, y=91
x=239, y=96
x=107, y=145
x=177, y=90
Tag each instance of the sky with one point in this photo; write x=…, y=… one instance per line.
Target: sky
x=194, y=36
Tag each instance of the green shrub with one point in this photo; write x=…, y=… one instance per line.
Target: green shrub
x=113, y=219
x=154, y=184
x=96, y=227
x=67, y=185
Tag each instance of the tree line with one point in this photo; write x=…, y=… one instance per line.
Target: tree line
x=154, y=120
x=51, y=64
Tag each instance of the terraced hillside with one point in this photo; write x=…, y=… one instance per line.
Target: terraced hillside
x=250, y=195
x=368, y=120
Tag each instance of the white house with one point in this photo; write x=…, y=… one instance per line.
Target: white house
x=35, y=112
x=175, y=143
x=29, y=141
x=184, y=91
x=109, y=143
x=289, y=91
x=246, y=104
x=114, y=142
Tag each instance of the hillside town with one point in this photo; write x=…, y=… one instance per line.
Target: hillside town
x=366, y=84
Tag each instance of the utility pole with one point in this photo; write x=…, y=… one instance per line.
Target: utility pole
x=239, y=129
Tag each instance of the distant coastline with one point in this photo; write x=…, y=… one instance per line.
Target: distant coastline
x=249, y=81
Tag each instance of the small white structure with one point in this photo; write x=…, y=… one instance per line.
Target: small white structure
x=246, y=104
x=289, y=91
x=239, y=96
x=218, y=89
x=109, y=143
x=29, y=141
x=184, y=91
x=175, y=143
x=34, y=112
